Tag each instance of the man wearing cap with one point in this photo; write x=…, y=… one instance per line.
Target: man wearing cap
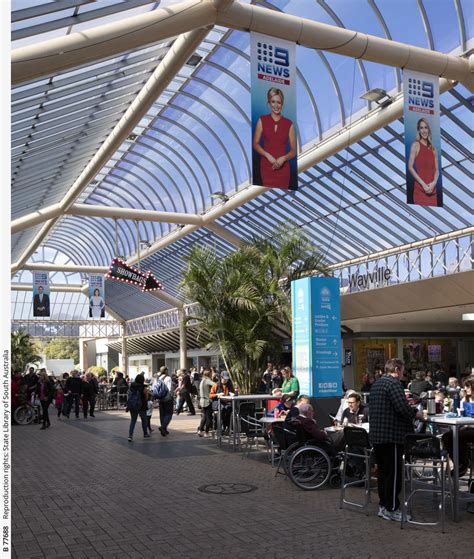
x=222, y=386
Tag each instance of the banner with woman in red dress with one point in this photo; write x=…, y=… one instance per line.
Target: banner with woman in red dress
x=273, y=84
x=422, y=139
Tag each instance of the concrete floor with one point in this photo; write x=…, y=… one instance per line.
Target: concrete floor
x=81, y=490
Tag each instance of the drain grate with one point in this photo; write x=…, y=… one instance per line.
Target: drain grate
x=227, y=488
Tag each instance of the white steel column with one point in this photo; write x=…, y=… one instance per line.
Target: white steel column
x=183, y=346
x=124, y=352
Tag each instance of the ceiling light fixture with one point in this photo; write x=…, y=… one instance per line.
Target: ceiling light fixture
x=468, y=316
x=220, y=196
x=132, y=137
x=379, y=96
x=194, y=60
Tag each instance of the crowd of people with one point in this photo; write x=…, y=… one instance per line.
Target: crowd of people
x=74, y=391
x=390, y=413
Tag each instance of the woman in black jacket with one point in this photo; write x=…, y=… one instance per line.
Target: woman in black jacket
x=136, y=405
x=45, y=392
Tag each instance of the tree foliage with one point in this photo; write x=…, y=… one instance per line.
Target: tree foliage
x=62, y=348
x=97, y=371
x=243, y=296
x=24, y=351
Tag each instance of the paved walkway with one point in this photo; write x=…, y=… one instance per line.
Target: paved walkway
x=81, y=490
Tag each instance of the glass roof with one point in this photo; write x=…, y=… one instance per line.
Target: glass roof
x=195, y=140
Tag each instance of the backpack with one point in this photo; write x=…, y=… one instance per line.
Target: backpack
x=134, y=402
x=54, y=391
x=159, y=390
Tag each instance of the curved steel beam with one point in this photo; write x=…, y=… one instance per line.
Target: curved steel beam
x=54, y=56
x=178, y=54
x=316, y=35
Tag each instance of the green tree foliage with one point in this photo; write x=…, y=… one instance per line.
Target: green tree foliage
x=62, y=348
x=243, y=296
x=97, y=371
x=23, y=351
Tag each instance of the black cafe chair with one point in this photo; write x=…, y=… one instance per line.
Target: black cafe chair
x=358, y=450
x=424, y=451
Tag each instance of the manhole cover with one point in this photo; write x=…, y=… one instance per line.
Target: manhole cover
x=227, y=488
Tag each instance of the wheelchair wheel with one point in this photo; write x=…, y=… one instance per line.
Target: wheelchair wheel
x=288, y=454
x=23, y=415
x=309, y=468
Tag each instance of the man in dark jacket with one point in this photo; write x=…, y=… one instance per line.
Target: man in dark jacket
x=312, y=430
x=137, y=405
x=72, y=393
x=391, y=418
x=92, y=380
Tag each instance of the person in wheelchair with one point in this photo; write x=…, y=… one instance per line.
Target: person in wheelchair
x=311, y=430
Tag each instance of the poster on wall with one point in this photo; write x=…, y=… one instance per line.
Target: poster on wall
x=96, y=296
x=422, y=139
x=375, y=359
x=41, y=306
x=273, y=83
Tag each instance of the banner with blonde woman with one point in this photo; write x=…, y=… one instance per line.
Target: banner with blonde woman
x=273, y=82
x=422, y=139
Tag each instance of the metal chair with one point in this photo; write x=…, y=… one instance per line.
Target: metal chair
x=253, y=431
x=425, y=450
x=287, y=441
x=358, y=447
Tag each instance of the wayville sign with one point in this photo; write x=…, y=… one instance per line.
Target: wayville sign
x=377, y=277
x=119, y=270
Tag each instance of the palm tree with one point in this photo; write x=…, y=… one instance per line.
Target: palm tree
x=243, y=296
x=23, y=350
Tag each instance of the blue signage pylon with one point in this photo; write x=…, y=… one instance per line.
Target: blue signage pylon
x=317, y=342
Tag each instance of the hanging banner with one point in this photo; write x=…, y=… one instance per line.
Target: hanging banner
x=41, y=305
x=96, y=296
x=273, y=82
x=422, y=139
x=317, y=354
x=119, y=270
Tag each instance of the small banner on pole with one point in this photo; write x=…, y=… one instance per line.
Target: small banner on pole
x=273, y=82
x=41, y=306
x=422, y=139
x=119, y=270
x=96, y=296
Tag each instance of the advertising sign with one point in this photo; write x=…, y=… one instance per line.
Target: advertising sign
x=317, y=336
x=96, y=296
x=422, y=139
x=121, y=271
x=41, y=305
x=273, y=82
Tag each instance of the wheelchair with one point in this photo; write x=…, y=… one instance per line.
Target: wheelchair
x=309, y=464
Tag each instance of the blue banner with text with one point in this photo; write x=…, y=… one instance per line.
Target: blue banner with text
x=317, y=336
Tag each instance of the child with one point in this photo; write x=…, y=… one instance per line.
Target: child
x=59, y=399
x=149, y=411
x=283, y=407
